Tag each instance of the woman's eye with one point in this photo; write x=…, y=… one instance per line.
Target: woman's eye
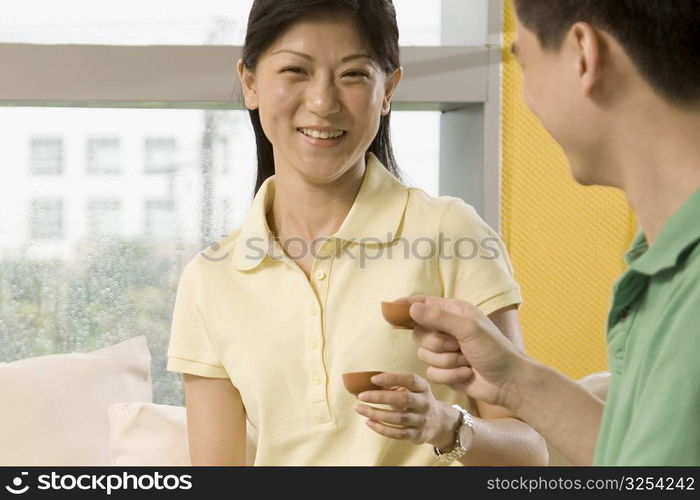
x=293, y=70
x=356, y=74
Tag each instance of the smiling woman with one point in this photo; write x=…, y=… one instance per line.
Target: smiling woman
x=280, y=326
x=321, y=94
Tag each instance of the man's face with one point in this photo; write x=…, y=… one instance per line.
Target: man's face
x=539, y=70
x=552, y=90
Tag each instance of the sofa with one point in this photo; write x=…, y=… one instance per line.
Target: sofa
x=96, y=408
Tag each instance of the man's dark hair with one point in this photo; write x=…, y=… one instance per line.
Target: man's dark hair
x=662, y=37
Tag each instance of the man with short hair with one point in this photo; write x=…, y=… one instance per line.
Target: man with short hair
x=617, y=84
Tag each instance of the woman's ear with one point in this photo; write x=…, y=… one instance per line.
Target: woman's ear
x=247, y=77
x=391, y=84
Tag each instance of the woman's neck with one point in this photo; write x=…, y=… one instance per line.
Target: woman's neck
x=308, y=210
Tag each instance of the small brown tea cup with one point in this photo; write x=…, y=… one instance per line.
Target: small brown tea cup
x=358, y=382
x=397, y=313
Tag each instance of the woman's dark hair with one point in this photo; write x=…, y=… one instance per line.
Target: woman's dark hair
x=377, y=21
x=662, y=37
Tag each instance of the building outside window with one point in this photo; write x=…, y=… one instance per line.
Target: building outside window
x=160, y=153
x=161, y=220
x=103, y=155
x=104, y=217
x=47, y=219
x=47, y=156
x=221, y=159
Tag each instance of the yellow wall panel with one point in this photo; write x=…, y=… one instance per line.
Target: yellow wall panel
x=566, y=241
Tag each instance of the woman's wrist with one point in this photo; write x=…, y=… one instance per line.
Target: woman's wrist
x=444, y=439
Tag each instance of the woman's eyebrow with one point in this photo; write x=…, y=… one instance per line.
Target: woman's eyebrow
x=309, y=58
x=355, y=56
x=300, y=54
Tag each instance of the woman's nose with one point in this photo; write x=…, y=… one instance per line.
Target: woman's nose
x=322, y=97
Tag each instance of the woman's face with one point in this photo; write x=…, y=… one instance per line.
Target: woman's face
x=320, y=96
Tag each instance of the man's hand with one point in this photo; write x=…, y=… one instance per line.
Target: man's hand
x=465, y=349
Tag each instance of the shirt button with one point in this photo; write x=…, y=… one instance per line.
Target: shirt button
x=314, y=343
x=317, y=379
x=313, y=311
x=320, y=275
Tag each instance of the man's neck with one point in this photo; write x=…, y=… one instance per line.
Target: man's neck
x=660, y=165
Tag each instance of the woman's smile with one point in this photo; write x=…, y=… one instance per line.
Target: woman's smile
x=322, y=137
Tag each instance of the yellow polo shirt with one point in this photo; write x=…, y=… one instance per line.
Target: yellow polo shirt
x=247, y=312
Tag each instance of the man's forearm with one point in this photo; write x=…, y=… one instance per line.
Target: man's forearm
x=566, y=414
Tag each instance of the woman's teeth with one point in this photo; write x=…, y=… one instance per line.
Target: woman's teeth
x=326, y=134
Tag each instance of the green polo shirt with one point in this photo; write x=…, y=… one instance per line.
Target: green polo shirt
x=652, y=416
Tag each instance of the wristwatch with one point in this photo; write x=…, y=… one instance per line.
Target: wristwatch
x=464, y=438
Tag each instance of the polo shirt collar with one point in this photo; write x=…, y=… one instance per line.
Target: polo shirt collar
x=373, y=219
x=377, y=212
x=681, y=232
x=255, y=235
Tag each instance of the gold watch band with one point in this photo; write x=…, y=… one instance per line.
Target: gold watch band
x=457, y=451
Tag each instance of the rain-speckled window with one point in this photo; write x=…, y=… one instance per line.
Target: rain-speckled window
x=88, y=260
x=101, y=208
x=108, y=189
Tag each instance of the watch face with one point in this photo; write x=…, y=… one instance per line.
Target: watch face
x=466, y=436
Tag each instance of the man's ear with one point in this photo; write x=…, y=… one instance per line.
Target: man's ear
x=247, y=77
x=391, y=84
x=586, y=43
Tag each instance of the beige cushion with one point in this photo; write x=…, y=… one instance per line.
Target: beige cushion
x=54, y=408
x=596, y=383
x=151, y=434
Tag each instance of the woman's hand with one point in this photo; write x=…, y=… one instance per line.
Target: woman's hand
x=415, y=414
